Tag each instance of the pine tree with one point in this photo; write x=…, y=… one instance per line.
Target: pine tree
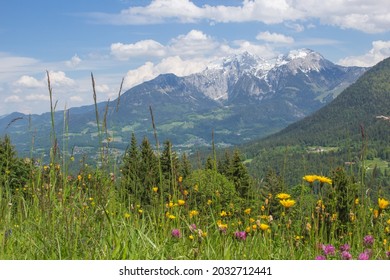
x=185, y=166
x=239, y=175
x=169, y=163
x=131, y=163
x=209, y=164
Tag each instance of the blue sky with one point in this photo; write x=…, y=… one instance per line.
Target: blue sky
x=139, y=39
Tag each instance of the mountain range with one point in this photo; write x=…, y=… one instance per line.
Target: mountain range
x=240, y=98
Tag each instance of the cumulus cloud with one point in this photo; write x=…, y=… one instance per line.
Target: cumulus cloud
x=175, y=65
x=13, y=99
x=363, y=15
x=37, y=97
x=142, y=48
x=29, y=82
x=379, y=51
x=74, y=61
x=59, y=78
x=76, y=99
x=274, y=38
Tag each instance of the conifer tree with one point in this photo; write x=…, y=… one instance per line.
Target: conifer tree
x=239, y=175
x=185, y=166
x=169, y=163
x=131, y=163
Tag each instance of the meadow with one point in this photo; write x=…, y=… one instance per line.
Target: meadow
x=101, y=212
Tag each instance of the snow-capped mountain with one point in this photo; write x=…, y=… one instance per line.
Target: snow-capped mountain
x=240, y=97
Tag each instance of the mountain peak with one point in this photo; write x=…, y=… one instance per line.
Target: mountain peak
x=305, y=60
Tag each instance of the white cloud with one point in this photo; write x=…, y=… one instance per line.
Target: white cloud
x=102, y=88
x=29, y=82
x=363, y=15
x=274, y=38
x=37, y=97
x=175, y=65
x=379, y=51
x=142, y=48
x=59, y=78
x=13, y=99
x=76, y=99
x=74, y=61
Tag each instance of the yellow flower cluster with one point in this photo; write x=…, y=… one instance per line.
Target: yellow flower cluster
x=383, y=203
x=285, y=200
x=321, y=179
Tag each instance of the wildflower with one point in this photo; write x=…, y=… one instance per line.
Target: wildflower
x=287, y=203
x=127, y=215
x=240, y=235
x=192, y=227
x=388, y=222
x=191, y=237
x=376, y=213
x=345, y=247
x=185, y=192
x=364, y=256
x=328, y=249
x=345, y=255
x=180, y=179
x=324, y=179
x=247, y=211
x=140, y=211
x=181, y=202
x=79, y=177
x=283, y=196
x=383, y=203
x=209, y=202
x=222, y=227
x=196, y=188
x=171, y=217
x=254, y=227
x=89, y=176
x=72, y=158
x=320, y=257
x=388, y=254
x=193, y=213
x=176, y=233
x=155, y=189
x=310, y=178
x=262, y=208
x=248, y=229
x=223, y=214
x=264, y=227
x=357, y=201
x=368, y=240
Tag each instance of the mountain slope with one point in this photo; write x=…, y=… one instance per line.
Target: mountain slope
x=350, y=128
x=241, y=98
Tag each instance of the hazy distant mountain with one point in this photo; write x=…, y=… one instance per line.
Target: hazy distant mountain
x=240, y=98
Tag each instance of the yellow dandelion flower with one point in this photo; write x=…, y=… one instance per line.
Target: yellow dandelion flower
x=155, y=189
x=248, y=229
x=247, y=211
x=264, y=227
x=251, y=220
x=193, y=213
x=170, y=204
x=383, y=203
x=287, y=203
x=324, y=180
x=181, y=202
x=191, y=237
x=140, y=211
x=171, y=217
x=283, y=196
x=310, y=178
x=209, y=202
x=127, y=215
x=223, y=214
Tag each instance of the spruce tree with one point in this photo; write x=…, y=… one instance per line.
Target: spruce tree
x=239, y=175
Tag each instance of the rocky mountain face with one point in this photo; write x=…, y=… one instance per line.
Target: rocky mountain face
x=240, y=98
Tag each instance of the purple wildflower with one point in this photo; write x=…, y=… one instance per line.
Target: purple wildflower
x=364, y=256
x=176, y=233
x=240, y=235
x=192, y=227
x=388, y=254
x=368, y=240
x=345, y=255
x=345, y=247
x=328, y=249
x=320, y=257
